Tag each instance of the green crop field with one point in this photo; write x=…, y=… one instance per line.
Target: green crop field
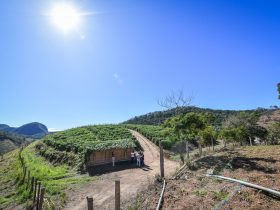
x=91, y=138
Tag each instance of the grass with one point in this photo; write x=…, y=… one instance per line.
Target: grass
x=201, y=193
x=56, y=179
x=9, y=170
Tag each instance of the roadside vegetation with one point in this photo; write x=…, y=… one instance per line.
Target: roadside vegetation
x=79, y=142
x=57, y=180
x=10, y=141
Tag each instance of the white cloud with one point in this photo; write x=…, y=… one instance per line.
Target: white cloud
x=53, y=130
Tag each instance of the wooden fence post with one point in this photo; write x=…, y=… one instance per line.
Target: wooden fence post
x=41, y=198
x=90, y=203
x=28, y=179
x=117, y=195
x=161, y=162
x=199, y=149
x=38, y=196
x=35, y=191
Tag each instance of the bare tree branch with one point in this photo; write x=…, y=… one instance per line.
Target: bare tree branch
x=175, y=100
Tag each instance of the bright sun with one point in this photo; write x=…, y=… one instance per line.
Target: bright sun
x=65, y=17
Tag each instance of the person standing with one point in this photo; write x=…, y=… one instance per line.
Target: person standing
x=132, y=156
x=138, y=159
x=113, y=159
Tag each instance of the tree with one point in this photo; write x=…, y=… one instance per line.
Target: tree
x=245, y=126
x=208, y=135
x=194, y=123
x=228, y=135
x=175, y=124
x=274, y=133
x=187, y=127
x=175, y=100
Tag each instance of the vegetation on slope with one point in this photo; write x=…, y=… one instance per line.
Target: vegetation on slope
x=84, y=140
x=32, y=130
x=158, y=118
x=9, y=141
x=56, y=179
x=99, y=137
x=9, y=173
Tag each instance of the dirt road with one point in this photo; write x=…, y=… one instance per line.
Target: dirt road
x=132, y=180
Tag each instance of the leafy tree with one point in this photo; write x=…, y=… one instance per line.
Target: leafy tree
x=274, y=133
x=228, y=135
x=245, y=126
x=208, y=136
x=187, y=127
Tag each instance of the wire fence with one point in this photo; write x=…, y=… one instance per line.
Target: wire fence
x=34, y=187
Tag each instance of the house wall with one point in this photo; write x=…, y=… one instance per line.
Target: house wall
x=104, y=157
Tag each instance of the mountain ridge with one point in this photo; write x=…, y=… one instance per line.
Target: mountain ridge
x=32, y=130
x=158, y=117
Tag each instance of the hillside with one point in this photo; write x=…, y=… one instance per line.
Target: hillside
x=55, y=162
x=32, y=130
x=268, y=117
x=193, y=190
x=9, y=141
x=158, y=117
x=87, y=138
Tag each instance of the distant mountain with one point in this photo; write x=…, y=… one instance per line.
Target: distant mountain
x=4, y=127
x=10, y=141
x=32, y=130
x=158, y=117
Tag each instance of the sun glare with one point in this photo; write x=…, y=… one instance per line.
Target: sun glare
x=65, y=17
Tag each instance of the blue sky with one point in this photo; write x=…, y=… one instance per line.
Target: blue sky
x=128, y=54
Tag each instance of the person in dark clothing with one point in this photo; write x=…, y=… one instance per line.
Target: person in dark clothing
x=141, y=158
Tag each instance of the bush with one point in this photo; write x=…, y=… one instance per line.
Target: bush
x=166, y=144
x=274, y=133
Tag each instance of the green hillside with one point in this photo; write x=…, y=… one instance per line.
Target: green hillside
x=9, y=142
x=57, y=179
x=55, y=162
x=158, y=117
x=91, y=138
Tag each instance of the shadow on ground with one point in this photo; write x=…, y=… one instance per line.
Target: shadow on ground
x=234, y=162
x=108, y=168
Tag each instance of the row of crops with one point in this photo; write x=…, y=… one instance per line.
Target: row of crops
x=157, y=134
x=91, y=138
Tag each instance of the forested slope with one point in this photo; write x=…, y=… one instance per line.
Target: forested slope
x=158, y=117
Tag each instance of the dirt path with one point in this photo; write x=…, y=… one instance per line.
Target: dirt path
x=132, y=180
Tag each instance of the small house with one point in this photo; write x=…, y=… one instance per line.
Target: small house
x=120, y=150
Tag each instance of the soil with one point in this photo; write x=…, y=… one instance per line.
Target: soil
x=194, y=190
x=132, y=181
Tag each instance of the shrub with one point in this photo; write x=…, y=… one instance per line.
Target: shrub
x=166, y=144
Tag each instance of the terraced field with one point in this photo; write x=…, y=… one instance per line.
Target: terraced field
x=89, y=138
